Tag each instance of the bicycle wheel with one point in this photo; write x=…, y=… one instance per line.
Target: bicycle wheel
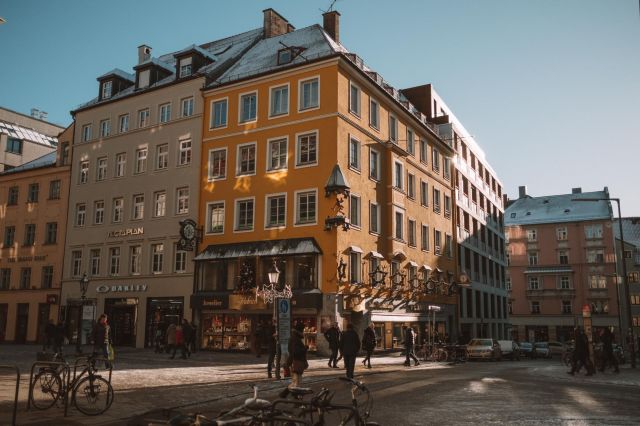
x=45, y=389
x=340, y=415
x=93, y=395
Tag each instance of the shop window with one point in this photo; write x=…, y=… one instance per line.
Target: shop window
x=226, y=332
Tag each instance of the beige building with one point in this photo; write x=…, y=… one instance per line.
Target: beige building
x=135, y=177
x=24, y=138
x=33, y=213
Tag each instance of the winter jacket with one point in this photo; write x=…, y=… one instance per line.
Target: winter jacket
x=333, y=337
x=409, y=338
x=297, y=348
x=369, y=339
x=101, y=334
x=350, y=342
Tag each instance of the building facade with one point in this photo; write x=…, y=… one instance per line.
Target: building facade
x=34, y=198
x=561, y=259
x=135, y=178
x=479, y=222
x=312, y=162
x=631, y=256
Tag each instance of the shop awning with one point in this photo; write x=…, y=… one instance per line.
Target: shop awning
x=289, y=247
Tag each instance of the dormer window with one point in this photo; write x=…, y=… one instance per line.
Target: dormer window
x=288, y=54
x=107, y=87
x=143, y=79
x=185, y=67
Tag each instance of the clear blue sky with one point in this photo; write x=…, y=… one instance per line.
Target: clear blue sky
x=549, y=88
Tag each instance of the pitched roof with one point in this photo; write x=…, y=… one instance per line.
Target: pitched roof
x=23, y=133
x=46, y=160
x=558, y=208
x=118, y=72
x=630, y=228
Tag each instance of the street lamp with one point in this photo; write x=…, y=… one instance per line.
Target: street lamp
x=273, y=274
x=84, y=285
x=625, y=281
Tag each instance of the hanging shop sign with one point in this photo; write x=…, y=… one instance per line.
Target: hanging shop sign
x=245, y=302
x=121, y=288
x=126, y=232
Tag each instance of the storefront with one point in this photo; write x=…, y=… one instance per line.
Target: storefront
x=162, y=311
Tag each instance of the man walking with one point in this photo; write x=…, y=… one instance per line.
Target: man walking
x=350, y=345
x=368, y=344
x=187, y=333
x=607, y=351
x=580, y=353
x=409, y=344
x=333, y=337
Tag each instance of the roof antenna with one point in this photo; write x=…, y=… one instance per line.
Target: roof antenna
x=333, y=2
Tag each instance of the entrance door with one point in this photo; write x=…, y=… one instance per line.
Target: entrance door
x=43, y=319
x=162, y=311
x=4, y=316
x=22, y=323
x=123, y=325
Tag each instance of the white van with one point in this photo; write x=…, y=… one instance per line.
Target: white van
x=510, y=349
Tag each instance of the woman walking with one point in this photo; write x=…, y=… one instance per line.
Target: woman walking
x=101, y=338
x=297, y=360
x=368, y=344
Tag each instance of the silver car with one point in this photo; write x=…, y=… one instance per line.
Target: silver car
x=484, y=349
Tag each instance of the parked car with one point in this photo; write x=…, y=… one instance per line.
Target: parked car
x=527, y=349
x=557, y=348
x=510, y=349
x=542, y=350
x=484, y=349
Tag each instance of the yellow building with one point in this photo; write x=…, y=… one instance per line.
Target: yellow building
x=312, y=161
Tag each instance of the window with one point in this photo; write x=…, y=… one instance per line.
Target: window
x=309, y=94
x=248, y=107
x=305, y=207
x=5, y=278
x=447, y=168
x=84, y=172
x=165, y=113
x=276, y=210
x=143, y=118
x=157, y=258
x=532, y=235
x=354, y=210
x=135, y=259
x=561, y=233
x=244, y=215
x=507, y=283
x=593, y=231
x=218, y=114
x=143, y=78
x=437, y=242
x=86, y=133
x=185, y=152
x=118, y=210
x=374, y=218
x=285, y=56
x=25, y=278
x=374, y=114
x=14, y=145
x=123, y=123
x=105, y=128
x=279, y=101
x=138, y=206
x=12, y=197
x=393, y=129
x=121, y=162
x=566, y=307
x=32, y=194
x=246, y=159
x=533, y=283
x=448, y=245
x=533, y=258
x=180, y=264
x=563, y=257
x=447, y=206
x=54, y=189
x=162, y=156
x=81, y=211
x=354, y=99
x=51, y=233
x=215, y=215
x=411, y=230
x=411, y=143
x=354, y=154
x=94, y=257
x=185, y=67
x=114, y=261
x=424, y=237
x=398, y=176
x=423, y=151
x=98, y=209
x=411, y=186
x=633, y=277
x=535, y=307
x=635, y=299
x=597, y=281
x=101, y=169
x=564, y=283
x=595, y=256
x=9, y=236
x=307, y=150
x=187, y=107
x=436, y=200
x=141, y=160
x=47, y=277
x=435, y=160
x=106, y=89
x=424, y=193
x=217, y=164
x=374, y=164
x=159, y=203
x=277, y=152
x=182, y=197
x=76, y=263
x=399, y=231
x=355, y=267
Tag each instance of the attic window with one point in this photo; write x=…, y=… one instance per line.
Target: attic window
x=567, y=210
x=106, y=89
x=288, y=54
x=513, y=215
x=185, y=67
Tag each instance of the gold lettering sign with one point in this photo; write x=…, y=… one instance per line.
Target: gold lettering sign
x=126, y=232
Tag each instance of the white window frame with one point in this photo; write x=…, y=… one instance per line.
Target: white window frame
x=107, y=89
x=114, y=261
x=86, y=133
x=300, y=135
x=209, y=229
x=269, y=165
x=301, y=83
x=212, y=152
x=121, y=164
x=98, y=212
x=533, y=283
x=239, y=172
x=159, y=203
x=182, y=200
x=562, y=233
x=157, y=258
x=297, y=195
x=123, y=123
x=135, y=259
x=236, y=214
x=179, y=261
x=212, y=118
x=143, y=117
x=355, y=157
x=241, y=96
x=267, y=210
x=94, y=262
x=184, y=152
x=142, y=154
x=162, y=156
x=164, y=113
x=532, y=235
x=138, y=207
x=101, y=169
x=105, y=128
x=84, y=172
x=186, y=106
x=117, y=212
x=81, y=214
x=272, y=90
x=76, y=263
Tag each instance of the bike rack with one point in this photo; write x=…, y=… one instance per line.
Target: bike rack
x=54, y=365
x=15, y=400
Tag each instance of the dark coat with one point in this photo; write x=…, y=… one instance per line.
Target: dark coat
x=350, y=342
x=333, y=337
x=369, y=339
x=101, y=334
x=297, y=348
x=582, y=345
x=272, y=342
x=409, y=338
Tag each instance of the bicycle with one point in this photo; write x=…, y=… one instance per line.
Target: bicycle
x=344, y=414
x=91, y=394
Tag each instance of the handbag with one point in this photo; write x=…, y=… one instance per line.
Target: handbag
x=111, y=353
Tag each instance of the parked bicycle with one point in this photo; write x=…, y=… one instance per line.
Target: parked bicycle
x=91, y=393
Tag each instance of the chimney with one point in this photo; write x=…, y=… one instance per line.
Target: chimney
x=144, y=53
x=290, y=28
x=331, y=24
x=576, y=190
x=274, y=24
x=522, y=191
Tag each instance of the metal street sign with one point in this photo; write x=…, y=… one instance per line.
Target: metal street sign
x=284, y=319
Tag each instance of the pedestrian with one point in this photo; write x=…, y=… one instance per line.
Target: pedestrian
x=187, y=333
x=49, y=333
x=179, y=343
x=160, y=338
x=171, y=337
x=350, y=345
x=607, y=351
x=272, y=346
x=580, y=353
x=101, y=339
x=297, y=360
x=368, y=344
x=333, y=338
x=58, y=337
x=409, y=345
x=258, y=335
x=194, y=333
